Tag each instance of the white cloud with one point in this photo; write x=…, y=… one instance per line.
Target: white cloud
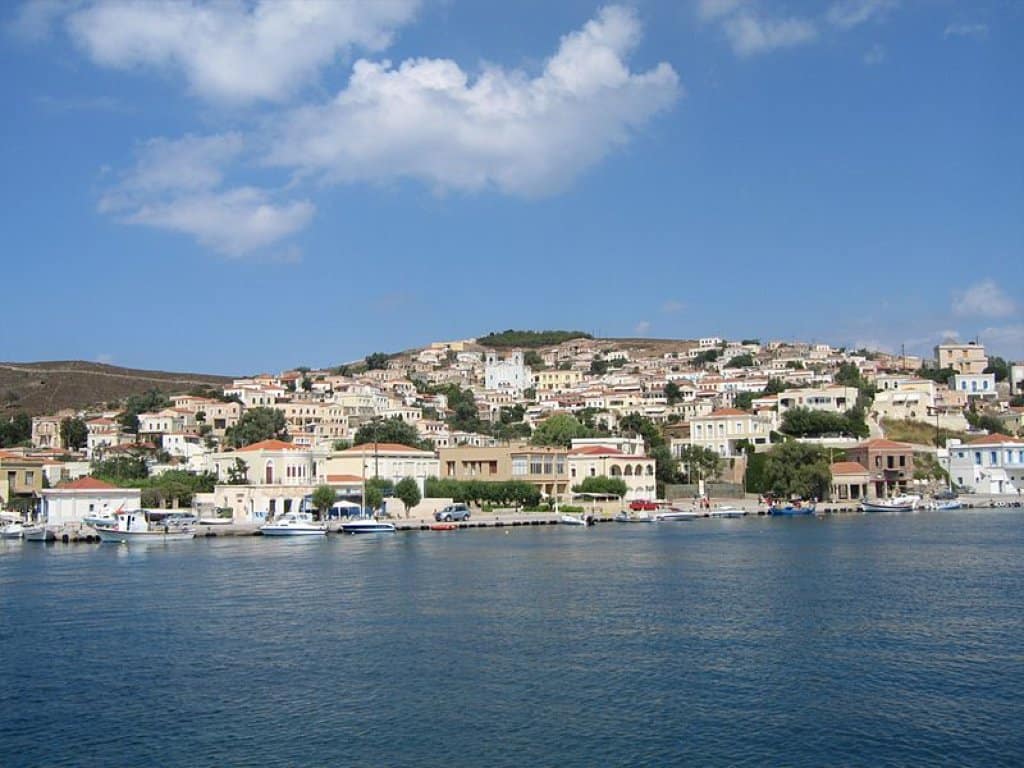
x=175, y=185
x=976, y=31
x=710, y=10
x=984, y=299
x=426, y=119
x=750, y=35
x=851, y=13
x=1006, y=341
x=235, y=51
x=642, y=328
x=34, y=20
x=874, y=55
x=672, y=306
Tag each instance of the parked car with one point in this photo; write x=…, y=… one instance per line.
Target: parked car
x=452, y=512
x=645, y=505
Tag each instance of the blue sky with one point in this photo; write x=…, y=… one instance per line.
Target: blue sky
x=243, y=186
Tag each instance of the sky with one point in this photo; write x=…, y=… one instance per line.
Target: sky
x=252, y=185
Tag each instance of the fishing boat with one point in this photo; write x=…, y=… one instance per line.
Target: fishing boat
x=294, y=524
x=367, y=525
x=676, y=515
x=906, y=502
x=726, y=512
x=132, y=526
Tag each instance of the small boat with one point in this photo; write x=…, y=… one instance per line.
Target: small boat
x=12, y=531
x=104, y=519
x=367, y=525
x=726, y=512
x=634, y=516
x=945, y=504
x=902, y=503
x=294, y=524
x=215, y=521
x=577, y=520
x=443, y=526
x=676, y=515
x=791, y=510
x=132, y=526
x=38, y=533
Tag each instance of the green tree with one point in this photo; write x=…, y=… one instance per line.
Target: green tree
x=707, y=356
x=238, y=473
x=17, y=430
x=149, y=401
x=797, y=469
x=774, y=386
x=999, y=367
x=602, y=484
x=73, y=433
x=409, y=492
x=672, y=393
x=393, y=430
x=533, y=359
x=323, y=497
x=696, y=462
x=598, y=367
x=666, y=468
x=378, y=361
x=744, y=400
x=511, y=338
x=120, y=469
x=374, y=491
x=938, y=375
x=638, y=424
x=257, y=424
x=746, y=360
x=559, y=429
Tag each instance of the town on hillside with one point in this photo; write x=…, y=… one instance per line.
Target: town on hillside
x=534, y=418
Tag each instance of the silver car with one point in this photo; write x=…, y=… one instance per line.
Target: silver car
x=452, y=512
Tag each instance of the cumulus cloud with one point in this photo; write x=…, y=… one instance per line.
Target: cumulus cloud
x=232, y=51
x=983, y=299
x=642, y=328
x=710, y=10
x=1007, y=341
x=750, y=34
x=672, y=306
x=428, y=119
x=176, y=185
x=852, y=13
x=874, y=55
x=976, y=31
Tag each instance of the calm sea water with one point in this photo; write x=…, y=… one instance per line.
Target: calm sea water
x=856, y=640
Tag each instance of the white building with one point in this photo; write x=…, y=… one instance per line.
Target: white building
x=510, y=373
x=73, y=501
x=975, y=384
x=388, y=461
x=989, y=464
x=638, y=472
x=835, y=399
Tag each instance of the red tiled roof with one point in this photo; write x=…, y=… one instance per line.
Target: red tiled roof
x=994, y=439
x=344, y=479
x=593, y=450
x=87, y=483
x=269, y=445
x=848, y=468
x=726, y=412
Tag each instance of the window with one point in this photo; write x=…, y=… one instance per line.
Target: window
x=977, y=457
x=903, y=461
x=993, y=457
x=519, y=465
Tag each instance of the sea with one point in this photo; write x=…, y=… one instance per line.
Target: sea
x=849, y=640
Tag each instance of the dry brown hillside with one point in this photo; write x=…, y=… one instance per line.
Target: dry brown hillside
x=47, y=387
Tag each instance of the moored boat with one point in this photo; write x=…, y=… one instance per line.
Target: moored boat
x=945, y=504
x=294, y=524
x=443, y=526
x=38, y=532
x=132, y=526
x=726, y=512
x=676, y=515
x=577, y=520
x=367, y=525
x=791, y=510
x=634, y=516
x=12, y=530
x=906, y=502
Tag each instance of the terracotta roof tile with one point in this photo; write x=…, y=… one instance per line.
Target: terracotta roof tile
x=87, y=483
x=995, y=439
x=269, y=445
x=848, y=468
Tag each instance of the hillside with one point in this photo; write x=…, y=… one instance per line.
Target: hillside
x=47, y=387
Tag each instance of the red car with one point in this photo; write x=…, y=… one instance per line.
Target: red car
x=642, y=504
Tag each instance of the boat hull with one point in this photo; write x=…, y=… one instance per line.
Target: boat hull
x=355, y=528
x=791, y=511
x=870, y=507
x=676, y=517
x=271, y=531
x=39, y=533
x=131, y=537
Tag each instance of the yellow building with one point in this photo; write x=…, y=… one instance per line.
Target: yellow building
x=21, y=479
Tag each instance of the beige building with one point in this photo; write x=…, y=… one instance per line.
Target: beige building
x=850, y=481
x=544, y=468
x=966, y=358
x=832, y=399
x=268, y=462
x=557, y=381
x=720, y=430
x=388, y=461
x=21, y=479
x=638, y=472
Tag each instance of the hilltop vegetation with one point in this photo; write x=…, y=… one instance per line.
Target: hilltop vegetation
x=530, y=339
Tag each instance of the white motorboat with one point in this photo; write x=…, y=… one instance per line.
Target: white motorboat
x=132, y=526
x=577, y=520
x=38, y=532
x=12, y=530
x=945, y=504
x=906, y=502
x=634, y=516
x=676, y=515
x=215, y=521
x=367, y=525
x=727, y=512
x=294, y=524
